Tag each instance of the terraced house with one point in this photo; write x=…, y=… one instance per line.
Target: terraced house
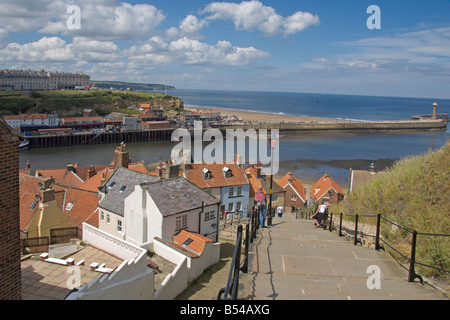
x=41, y=80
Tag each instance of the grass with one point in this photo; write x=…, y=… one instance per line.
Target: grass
x=13, y=102
x=414, y=194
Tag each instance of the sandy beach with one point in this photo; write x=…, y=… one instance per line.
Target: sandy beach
x=264, y=117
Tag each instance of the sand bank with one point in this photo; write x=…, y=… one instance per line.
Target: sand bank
x=265, y=117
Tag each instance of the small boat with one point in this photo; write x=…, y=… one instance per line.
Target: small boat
x=24, y=145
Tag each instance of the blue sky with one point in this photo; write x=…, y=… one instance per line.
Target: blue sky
x=284, y=45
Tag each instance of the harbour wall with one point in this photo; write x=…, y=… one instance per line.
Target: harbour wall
x=347, y=126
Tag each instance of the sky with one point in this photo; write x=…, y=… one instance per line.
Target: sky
x=311, y=46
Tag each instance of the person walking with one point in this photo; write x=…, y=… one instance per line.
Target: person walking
x=280, y=211
x=260, y=199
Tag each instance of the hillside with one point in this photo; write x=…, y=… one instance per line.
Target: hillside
x=67, y=103
x=414, y=194
x=131, y=85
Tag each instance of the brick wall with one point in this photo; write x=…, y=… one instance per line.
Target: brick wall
x=289, y=203
x=10, y=272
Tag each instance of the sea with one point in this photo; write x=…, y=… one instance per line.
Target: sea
x=308, y=155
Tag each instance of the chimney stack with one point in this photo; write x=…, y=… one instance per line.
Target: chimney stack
x=290, y=176
x=47, y=192
x=121, y=156
x=91, y=172
x=28, y=167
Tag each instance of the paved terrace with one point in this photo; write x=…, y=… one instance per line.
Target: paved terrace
x=292, y=260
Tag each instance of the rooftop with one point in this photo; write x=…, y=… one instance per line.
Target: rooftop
x=120, y=185
x=218, y=178
x=48, y=281
x=178, y=195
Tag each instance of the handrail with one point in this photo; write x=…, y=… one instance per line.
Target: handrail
x=412, y=259
x=232, y=285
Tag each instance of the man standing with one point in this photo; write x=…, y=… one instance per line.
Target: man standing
x=260, y=198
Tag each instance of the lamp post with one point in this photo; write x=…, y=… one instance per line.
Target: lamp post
x=273, y=144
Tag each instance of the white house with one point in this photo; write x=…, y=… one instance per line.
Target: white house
x=112, y=198
x=164, y=208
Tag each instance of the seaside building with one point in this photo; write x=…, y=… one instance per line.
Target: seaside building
x=41, y=80
x=32, y=121
x=326, y=191
x=358, y=178
x=257, y=179
x=227, y=182
x=295, y=197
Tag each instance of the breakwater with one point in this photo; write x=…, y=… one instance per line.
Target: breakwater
x=346, y=126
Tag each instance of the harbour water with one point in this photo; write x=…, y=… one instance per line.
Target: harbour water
x=296, y=150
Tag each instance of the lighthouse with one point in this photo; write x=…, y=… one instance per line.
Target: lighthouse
x=434, y=111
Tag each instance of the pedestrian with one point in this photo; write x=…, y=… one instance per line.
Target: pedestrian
x=280, y=211
x=260, y=199
x=319, y=215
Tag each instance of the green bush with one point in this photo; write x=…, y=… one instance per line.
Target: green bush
x=414, y=194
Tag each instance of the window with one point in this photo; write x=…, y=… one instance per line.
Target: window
x=33, y=205
x=181, y=222
x=231, y=207
x=207, y=174
x=119, y=225
x=239, y=191
x=227, y=172
x=107, y=218
x=231, y=192
x=274, y=197
x=294, y=198
x=102, y=215
x=69, y=206
x=122, y=189
x=209, y=215
x=238, y=206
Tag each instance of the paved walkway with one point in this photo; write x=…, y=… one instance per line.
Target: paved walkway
x=292, y=260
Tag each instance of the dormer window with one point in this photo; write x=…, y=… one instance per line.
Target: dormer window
x=227, y=172
x=207, y=174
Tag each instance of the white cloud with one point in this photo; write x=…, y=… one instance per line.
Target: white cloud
x=102, y=20
x=251, y=15
x=47, y=49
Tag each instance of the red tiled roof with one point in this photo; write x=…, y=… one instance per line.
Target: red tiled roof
x=295, y=184
x=263, y=182
x=218, y=180
x=28, y=189
x=84, y=205
x=195, y=246
x=62, y=176
x=323, y=185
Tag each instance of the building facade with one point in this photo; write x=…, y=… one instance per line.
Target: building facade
x=41, y=80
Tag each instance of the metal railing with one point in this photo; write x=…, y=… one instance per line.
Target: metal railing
x=230, y=291
x=412, y=275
